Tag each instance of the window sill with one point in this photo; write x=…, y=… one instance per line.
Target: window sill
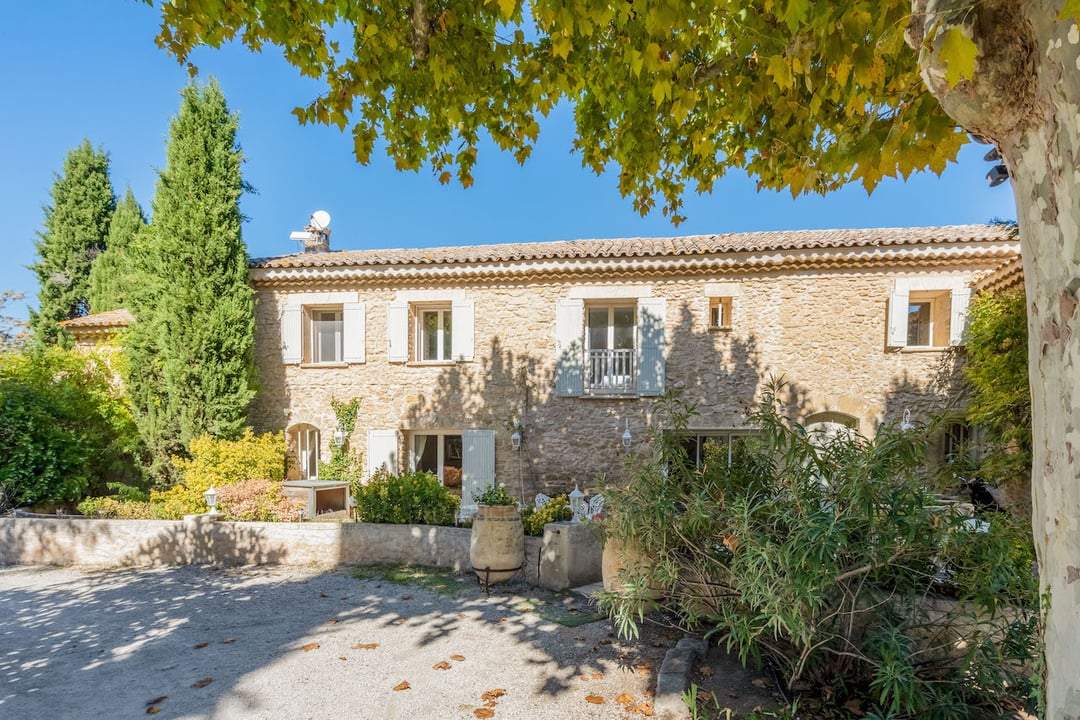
x=924, y=348
x=721, y=328
x=328, y=365
x=432, y=363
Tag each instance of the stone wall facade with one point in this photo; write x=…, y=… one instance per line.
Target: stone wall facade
x=824, y=330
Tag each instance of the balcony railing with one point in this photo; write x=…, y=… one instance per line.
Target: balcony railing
x=610, y=372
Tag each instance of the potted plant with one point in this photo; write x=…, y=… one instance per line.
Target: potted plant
x=497, y=544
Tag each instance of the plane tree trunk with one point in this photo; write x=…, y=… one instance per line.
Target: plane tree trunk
x=1024, y=97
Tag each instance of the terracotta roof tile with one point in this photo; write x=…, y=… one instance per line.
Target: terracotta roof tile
x=112, y=318
x=642, y=247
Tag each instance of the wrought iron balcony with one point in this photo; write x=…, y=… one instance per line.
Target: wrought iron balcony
x=610, y=372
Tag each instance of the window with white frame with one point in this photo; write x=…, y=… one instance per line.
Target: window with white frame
x=728, y=447
x=434, y=333
x=441, y=322
x=928, y=313
x=439, y=453
x=323, y=329
x=610, y=342
x=720, y=313
x=325, y=332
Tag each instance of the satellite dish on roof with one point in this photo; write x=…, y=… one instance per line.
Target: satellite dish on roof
x=320, y=219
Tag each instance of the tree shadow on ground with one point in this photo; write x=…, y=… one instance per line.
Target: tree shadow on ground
x=266, y=642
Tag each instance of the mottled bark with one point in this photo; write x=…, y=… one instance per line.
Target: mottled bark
x=1025, y=97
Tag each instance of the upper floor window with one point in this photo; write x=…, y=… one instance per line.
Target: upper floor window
x=609, y=346
x=720, y=313
x=434, y=333
x=442, y=326
x=928, y=313
x=609, y=349
x=326, y=330
x=323, y=328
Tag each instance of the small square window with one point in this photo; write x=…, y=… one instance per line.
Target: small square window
x=720, y=313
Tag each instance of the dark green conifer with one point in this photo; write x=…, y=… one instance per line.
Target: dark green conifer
x=111, y=275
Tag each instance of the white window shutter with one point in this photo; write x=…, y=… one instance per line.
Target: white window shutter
x=382, y=451
x=650, y=365
x=477, y=466
x=958, y=315
x=569, y=344
x=292, y=343
x=898, y=316
x=397, y=331
x=354, y=322
x=461, y=334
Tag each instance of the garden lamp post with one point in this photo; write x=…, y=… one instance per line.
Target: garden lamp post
x=577, y=504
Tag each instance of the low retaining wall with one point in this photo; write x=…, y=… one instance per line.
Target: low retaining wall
x=202, y=541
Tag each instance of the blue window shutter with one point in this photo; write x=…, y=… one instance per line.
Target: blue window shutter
x=292, y=344
x=650, y=366
x=569, y=347
x=352, y=315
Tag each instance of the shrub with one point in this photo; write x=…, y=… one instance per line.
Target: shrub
x=220, y=463
x=494, y=495
x=107, y=507
x=64, y=426
x=415, y=497
x=828, y=557
x=556, y=509
x=257, y=500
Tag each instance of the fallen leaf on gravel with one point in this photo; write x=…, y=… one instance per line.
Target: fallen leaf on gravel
x=155, y=701
x=648, y=693
x=597, y=676
x=310, y=646
x=643, y=668
x=153, y=710
x=760, y=683
x=406, y=597
x=493, y=694
x=202, y=683
x=323, y=595
x=342, y=657
x=624, y=699
x=200, y=646
x=228, y=641
x=331, y=622
x=457, y=658
x=441, y=665
x=490, y=704
x=642, y=709
x=461, y=615
x=705, y=670
x=399, y=621
x=365, y=646
x=502, y=619
x=484, y=713
x=403, y=685
x=595, y=699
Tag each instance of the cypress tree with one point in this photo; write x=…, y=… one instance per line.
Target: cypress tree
x=191, y=369
x=111, y=275
x=75, y=230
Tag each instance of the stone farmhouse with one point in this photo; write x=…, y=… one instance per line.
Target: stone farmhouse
x=537, y=364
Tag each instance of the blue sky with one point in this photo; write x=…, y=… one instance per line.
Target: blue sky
x=72, y=69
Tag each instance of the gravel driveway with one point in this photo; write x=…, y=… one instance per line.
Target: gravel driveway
x=270, y=642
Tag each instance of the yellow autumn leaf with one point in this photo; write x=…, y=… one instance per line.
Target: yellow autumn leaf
x=506, y=8
x=595, y=699
x=561, y=46
x=958, y=52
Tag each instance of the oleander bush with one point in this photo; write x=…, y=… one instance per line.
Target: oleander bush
x=829, y=558
x=413, y=497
